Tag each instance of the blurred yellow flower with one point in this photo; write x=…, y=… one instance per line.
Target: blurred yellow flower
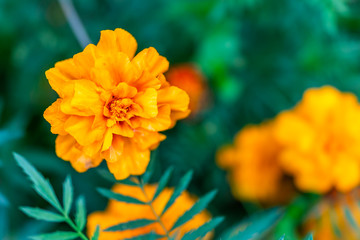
x=189, y=78
x=112, y=105
x=320, y=141
x=252, y=163
x=120, y=212
x=333, y=218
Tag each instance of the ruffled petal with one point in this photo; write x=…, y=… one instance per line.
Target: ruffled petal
x=159, y=123
x=150, y=60
x=175, y=97
x=148, y=101
x=118, y=40
x=86, y=130
x=56, y=118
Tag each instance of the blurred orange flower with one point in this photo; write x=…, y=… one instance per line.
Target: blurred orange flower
x=189, y=78
x=335, y=217
x=254, y=172
x=120, y=212
x=320, y=141
x=112, y=105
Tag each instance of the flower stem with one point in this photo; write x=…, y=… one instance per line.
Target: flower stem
x=75, y=23
x=149, y=202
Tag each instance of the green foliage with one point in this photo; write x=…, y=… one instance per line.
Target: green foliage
x=45, y=190
x=199, y=206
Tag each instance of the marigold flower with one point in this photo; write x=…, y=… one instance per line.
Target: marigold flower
x=320, y=141
x=120, y=212
x=112, y=105
x=252, y=162
x=328, y=220
x=189, y=78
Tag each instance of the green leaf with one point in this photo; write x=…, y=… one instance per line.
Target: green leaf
x=41, y=186
x=200, y=205
x=350, y=218
x=203, y=230
x=163, y=181
x=309, y=237
x=148, y=236
x=128, y=182
x=183, y=184
x=96, y=233
x=80, y=216
x=118, y=197
x=68, y=193
x=282, y=237
x=41, y=214
x=56, y=236
x=130, y=225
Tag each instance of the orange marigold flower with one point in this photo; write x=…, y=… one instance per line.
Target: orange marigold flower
x=120, y=212
x=189, y=78
x=328, y=220
x=320, y=141
x=112, y=105
x=252, y=162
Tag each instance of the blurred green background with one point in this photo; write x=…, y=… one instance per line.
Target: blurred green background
x=258, y=57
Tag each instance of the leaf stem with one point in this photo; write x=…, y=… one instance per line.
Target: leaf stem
x=73, y=226
x=149, y=202
x=75, y=23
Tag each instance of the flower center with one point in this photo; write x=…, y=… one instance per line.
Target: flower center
x=120, y=109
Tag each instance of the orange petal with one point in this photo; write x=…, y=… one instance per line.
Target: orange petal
x=124, y=91
x=133, y=161
x=175, y=97
x=115, y=151
x=57, y=80
x=107, y=140
x=65, y=147
x=83, y=130
x=150, y=60
x=148, y=139
x=122, y=129
x=159, y=123
x=148, y=101
x=177, y=115
x=118, y=40
x=56, y=118
x=85, y=61
x=146, y=80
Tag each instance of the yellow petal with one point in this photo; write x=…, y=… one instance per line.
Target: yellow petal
x=159, y=123
x=118, y=40
x=175, y=97
x=148, y=101
x=115, y=151
x=81, y=128
x=56, y=118
x=150, y=60
x=123, y=90
x=146, y=80
x=147, y=139
x=122, y=129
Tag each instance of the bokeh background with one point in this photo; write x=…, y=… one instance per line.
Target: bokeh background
x=258, y=56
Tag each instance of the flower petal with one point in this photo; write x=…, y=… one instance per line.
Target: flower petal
x=56, y=118
x=123, y=90
x=118, y=40
x=122, y=129
x=133, y=161
x=86, y=130
x=159, y=123
x=148, y=101
x=65, y=147
x=150, y=60
x=148, y=139
x=175, y=97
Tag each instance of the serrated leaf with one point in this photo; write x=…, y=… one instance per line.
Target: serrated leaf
x=163, y=182
x=68, y=193
x=80, y=216
x=96, y=233
x=130, y=225
x=41, y=214
x=203, y=230
x=148, y=236
x=309, y=237
x=41, y=186
x=61, y=235
x=183, y=184
x=119, y=197
x=199, y=206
